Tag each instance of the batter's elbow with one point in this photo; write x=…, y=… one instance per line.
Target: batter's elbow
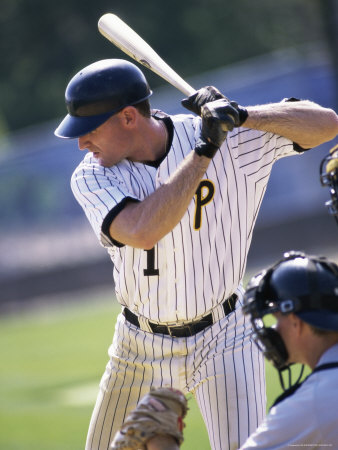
x=332, y=124
x=325, y=130
x=147, y=243
x=144, y=240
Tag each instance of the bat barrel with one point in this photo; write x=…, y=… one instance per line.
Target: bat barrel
x=127, y=40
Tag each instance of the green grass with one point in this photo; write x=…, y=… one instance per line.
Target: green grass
x=47, y=356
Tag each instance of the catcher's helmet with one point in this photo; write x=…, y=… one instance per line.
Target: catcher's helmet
x=329, y=178
x=97, y=92
x=304, y=285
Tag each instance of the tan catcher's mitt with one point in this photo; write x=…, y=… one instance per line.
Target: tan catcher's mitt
x=160, y=412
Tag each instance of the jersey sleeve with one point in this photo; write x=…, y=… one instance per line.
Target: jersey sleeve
x=101, y=194
x=256, y=151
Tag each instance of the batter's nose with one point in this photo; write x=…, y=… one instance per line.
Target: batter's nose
x=82, y=142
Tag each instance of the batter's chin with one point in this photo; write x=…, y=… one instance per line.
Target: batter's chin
x=99, y=160
x=103, y=163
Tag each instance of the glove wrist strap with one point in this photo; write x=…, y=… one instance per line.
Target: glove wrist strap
x=243, y=115
x=204, y=148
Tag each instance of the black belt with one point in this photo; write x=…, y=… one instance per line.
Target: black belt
x=189, y=329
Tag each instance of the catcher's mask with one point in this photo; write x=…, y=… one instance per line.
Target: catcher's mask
x=329, y=178
x=304, y=285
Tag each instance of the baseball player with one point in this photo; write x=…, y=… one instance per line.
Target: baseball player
x=174, y=200
x=329, y=178
x=301, y=291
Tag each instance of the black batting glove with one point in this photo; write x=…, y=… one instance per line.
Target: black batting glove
x=242, y=113
x=208, y=94
x=204, y=95
x=218, y=117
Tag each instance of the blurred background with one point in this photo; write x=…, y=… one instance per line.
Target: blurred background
x=254, y=52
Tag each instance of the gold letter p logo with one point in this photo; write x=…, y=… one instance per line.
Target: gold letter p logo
x=204, y=195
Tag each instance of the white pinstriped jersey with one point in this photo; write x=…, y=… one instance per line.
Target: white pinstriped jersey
x=202, y=260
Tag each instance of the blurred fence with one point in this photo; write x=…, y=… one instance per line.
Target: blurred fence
x=46, y=244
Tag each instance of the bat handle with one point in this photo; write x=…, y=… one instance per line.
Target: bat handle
x=186, y=89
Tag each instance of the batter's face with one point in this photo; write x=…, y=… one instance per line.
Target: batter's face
x=109, y=143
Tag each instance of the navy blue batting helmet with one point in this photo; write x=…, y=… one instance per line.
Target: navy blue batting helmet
x=97, y=92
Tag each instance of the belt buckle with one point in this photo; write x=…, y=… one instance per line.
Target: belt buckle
x=180, y=327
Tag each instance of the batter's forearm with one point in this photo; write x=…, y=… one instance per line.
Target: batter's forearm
x=303, y=122
x=143, y=224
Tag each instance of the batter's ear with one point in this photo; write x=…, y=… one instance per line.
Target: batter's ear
x=128, y=116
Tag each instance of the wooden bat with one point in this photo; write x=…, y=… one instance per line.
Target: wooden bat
x=127, y=40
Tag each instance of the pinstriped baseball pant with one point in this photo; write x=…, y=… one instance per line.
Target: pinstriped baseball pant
x=221, y=366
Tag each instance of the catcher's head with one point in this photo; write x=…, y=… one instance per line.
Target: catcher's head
x=329, y=178
x=304, y=285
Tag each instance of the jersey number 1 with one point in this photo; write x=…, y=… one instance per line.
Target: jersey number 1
x=150, y=270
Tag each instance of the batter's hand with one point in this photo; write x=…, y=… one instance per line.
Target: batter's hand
x=218, y=117
x=208, y=94
x=204, y=95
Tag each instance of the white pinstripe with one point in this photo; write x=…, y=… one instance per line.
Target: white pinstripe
x=198, y=270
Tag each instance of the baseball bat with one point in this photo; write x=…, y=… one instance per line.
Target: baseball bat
x=127, y=40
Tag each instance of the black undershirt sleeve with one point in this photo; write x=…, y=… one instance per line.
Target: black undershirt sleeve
x=111, y=216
